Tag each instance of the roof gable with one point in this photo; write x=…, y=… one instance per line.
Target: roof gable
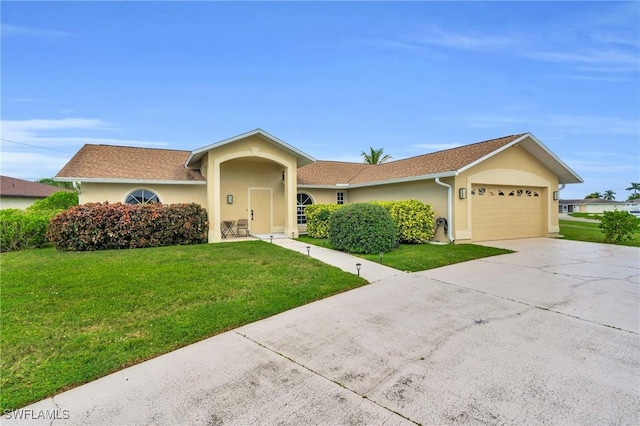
x=12, y=187
x=109, y=163
x=448, y=162
x=196, y=155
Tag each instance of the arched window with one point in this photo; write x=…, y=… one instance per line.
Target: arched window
x=142, y=196
x=303, y=201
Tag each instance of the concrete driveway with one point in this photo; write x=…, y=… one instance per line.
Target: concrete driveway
x=548, y=335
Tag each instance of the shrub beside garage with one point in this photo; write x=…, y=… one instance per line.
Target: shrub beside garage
x=104, y=226
x=362, y=228
x=414, y=220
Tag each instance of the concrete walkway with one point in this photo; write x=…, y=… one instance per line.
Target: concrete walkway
x=547, y=335
x=371, y=271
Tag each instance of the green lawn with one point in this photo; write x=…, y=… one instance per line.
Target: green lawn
x=585, y=231
x=595, y=216
x=68, y=318
x=420, y=257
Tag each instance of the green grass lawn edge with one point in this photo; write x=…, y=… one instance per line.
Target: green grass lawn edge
x=71, y=317
x=421, y=257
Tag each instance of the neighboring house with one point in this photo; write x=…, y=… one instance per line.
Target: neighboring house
x=592, y=205
x=498, y=189
x=20, y=194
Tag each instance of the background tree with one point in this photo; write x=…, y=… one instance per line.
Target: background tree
x=49, y=181
x=635, y=187
x=609, y=194
x=375, y=156
x=593, y=195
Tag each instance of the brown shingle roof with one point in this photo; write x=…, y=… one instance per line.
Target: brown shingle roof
x=12, y=187
x=331, y=172
x=123, y=162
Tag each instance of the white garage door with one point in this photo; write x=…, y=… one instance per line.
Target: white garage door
x=505, y=212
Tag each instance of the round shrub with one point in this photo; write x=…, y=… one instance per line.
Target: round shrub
x=318, y=219
x=362, y=228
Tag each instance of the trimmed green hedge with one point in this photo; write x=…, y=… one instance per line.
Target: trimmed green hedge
x=21, y=229
x=25, y=229
x=104, y=226
x=414, y=220
x=318, y=219
x=55, y=202
x=362, y=228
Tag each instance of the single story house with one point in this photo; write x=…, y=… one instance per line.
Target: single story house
x=593, y=205
x=20, y=194
x=497, y=189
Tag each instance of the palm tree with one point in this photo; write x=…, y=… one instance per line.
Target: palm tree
x=635, y=187
x=375, y=156
x=593, y=195
x=609, y=194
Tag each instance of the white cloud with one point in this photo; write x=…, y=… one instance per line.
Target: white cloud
x=39, y=132
x=587, y=57
x=31, y=165
x=31, y=149
x=22, y=31
x=570, y=124
x=435, y=35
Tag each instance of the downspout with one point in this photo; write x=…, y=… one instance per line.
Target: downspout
x=449, y=208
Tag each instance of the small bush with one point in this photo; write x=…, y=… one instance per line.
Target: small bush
x=20, y=229
x=414, y=220
x=55, y=202
x=103, y=226
x=618, y=226
x=362, y=228
x=318, y=219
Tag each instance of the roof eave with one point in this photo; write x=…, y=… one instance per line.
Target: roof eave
x=381, y=182
x=136, y=181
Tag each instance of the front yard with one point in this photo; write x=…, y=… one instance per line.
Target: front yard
x=587, y=231
x=420, y=257
x=71, y=317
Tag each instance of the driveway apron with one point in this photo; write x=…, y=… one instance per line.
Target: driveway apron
x=547, y=335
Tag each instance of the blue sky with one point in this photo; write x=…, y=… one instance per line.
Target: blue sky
x=330, y=78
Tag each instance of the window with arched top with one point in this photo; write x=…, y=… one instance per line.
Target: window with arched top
x=142, y=196
x=303, y=201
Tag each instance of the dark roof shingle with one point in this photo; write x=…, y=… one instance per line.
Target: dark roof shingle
x=13, y=187
x=332, y=172
x=123, y=162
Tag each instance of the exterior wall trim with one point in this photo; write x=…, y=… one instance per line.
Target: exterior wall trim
x=133, y=181
x=382, y=182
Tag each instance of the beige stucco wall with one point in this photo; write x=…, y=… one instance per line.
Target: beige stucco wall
x=324, y=196
x=117, y=192
x=261, y=166
x=428, y=192
x=513, y=167
x=239, y=175
x=16, y=202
